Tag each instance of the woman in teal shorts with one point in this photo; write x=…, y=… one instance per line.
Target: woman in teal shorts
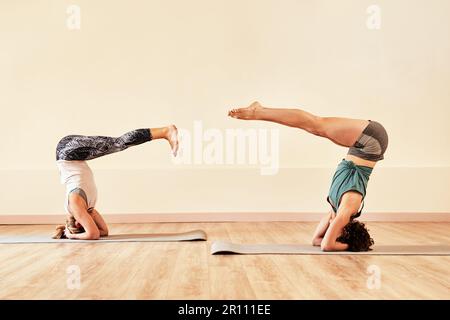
x=367, y=142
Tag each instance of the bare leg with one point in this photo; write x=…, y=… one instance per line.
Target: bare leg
x=342, y=131
x=80, y=147
x=170, y=133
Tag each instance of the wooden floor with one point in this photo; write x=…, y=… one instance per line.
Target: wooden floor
x=188, y=271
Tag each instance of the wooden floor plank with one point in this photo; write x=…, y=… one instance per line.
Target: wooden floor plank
x=186, y=270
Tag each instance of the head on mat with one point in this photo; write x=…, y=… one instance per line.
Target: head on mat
x=356, y=236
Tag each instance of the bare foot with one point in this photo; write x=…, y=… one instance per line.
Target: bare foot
x=248, y=113
x=172, y=138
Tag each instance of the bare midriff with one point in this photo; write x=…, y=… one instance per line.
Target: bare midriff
x=360, y=162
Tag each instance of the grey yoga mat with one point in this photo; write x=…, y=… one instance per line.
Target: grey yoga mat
x=223, y=247
x=155, y=237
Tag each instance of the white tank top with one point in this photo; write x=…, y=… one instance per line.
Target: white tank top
x=77, y=174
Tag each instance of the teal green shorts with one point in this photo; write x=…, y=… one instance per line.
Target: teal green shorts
x=348, y=177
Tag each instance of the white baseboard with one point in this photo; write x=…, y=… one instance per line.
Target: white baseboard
x=228, y=217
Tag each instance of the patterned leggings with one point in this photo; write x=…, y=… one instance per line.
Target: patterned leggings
x=76, y=147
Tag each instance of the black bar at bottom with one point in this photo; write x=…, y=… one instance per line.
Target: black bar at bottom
x=222, y=309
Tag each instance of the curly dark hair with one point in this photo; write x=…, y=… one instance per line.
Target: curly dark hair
x=357, y=236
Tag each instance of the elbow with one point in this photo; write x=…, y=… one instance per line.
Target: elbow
x=316, y=242
x=104, y=233
x=94, y=235
x=326, y=247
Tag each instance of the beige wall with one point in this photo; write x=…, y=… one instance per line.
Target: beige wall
x=148, y=63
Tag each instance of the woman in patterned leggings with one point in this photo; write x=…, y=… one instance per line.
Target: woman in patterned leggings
x=72, y=152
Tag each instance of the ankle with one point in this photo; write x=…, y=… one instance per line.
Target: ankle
x=159, y=133
x=258, y=113
x=166, y=132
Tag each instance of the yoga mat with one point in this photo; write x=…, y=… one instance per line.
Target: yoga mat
x=152, y=237
x=223, y=247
